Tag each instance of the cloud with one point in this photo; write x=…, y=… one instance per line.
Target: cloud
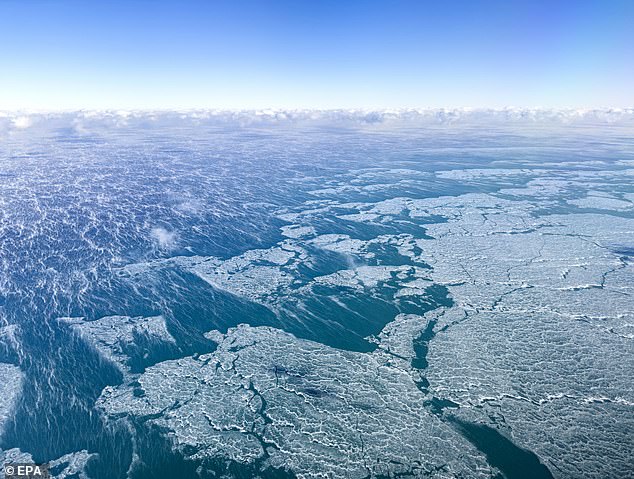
x=22, y=122
x=165, y=239
x=98, y=122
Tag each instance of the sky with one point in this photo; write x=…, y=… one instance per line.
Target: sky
x=236, y=54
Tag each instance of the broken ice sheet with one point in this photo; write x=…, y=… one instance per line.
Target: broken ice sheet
x=518, y=280
x=267, y=396
x=524, y=240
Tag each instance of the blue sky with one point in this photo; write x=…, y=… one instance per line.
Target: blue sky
x=236, y=54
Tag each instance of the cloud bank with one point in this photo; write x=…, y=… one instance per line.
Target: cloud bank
x=86, y=122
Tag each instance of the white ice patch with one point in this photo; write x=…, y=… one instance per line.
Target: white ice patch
x=602, y=202
x=69, y=466
x=298, y=231
x=10, y=390
x=111, y=336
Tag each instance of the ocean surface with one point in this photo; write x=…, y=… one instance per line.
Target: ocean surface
x=301, y=295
